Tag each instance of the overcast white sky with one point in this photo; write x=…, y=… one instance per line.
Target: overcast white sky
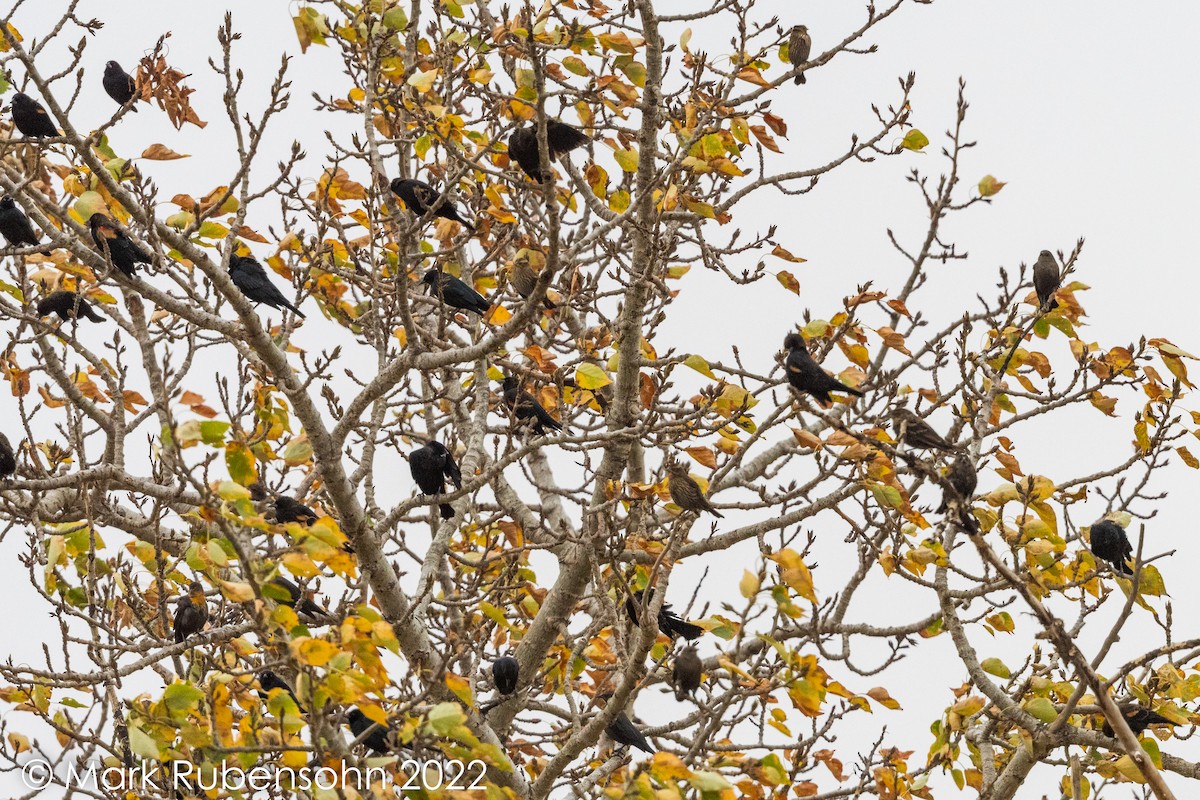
x=1076, y=105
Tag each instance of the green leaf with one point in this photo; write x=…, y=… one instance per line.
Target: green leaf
x=989, y=186
x=182, y=697
x=709, y=782
x=298, y=451
x=994, y=666
x=239, y=460
x=445, y=717
x=142, y=744
x=1042, y=709
x=213, y=431
x=914, y=140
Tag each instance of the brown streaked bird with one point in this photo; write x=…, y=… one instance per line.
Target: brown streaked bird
x=1138, y=719
x=685, y=674
x=191, y=612
x=686, y=492
x=1046, y=280
x=799, y=49
x=524, y=279
x=805, y=375
x=116, y=245
x=915, y=432
x=963, y=478
x=68, y=306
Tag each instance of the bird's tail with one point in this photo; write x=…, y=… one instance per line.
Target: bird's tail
x=847, y=389
x=91, y=314
x=686, y=629
x=295, y=310
x=544, y=418
x=714, y=512
x=446, y=510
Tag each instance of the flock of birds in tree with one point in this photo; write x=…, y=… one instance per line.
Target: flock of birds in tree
x=433, y=465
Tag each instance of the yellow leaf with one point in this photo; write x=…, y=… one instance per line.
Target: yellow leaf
x=914, y=140
x=788, y=281
x=748, y=585
x=422, y=80
x=700, y=365
x=590, y=376
x=989, y=186
x=237, y=592
x=313, y=652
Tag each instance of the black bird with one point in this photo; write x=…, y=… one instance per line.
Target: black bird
x=299, y=600
x=915, y=432
x=1046, y=280
x=68, y=306
x=289, y=510
x=119, y=84
x=418, y=196
x=686, y=492
x=561, y=138
x=964, y=479
x=506, y=673
x=669, y=622
x=806, y=375
x=624, y=732
x=191, y=612
x=524, y=407
x=431, y=465
x=116, y=245
x=380, y=737
x=1110, y=543
x=8, y=459
x=249, y=276
x=268, y=680
x=1138, y=719
x=14, y=225
x=799, y=49
x=454, y=292
x=30, y=118
x=685, y=674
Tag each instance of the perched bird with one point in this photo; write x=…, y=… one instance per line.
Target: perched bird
x=799, y=49
x=1109, y=542
x=964, y=479
x=268, y=680
x=8, y=459
x=805, y=374
x=686, y=492
x=561, y=138
x=915, y=432
x=506, y=673
x=116, y=245
x=191, y=612
x=669, y=622
x=431, y=465
x=1046, y=280
x=622, y=731
x=685, y=674
x=289, y=510
x=524, y=279
x=294, y=597
x=68, y=305
x=1138, y=719
x=14, y=225
x=418, y=196
x=30, y=118
x=454, y=292
x=380, y=737
x=249, y=276
x=524, y=407
x=119, y=84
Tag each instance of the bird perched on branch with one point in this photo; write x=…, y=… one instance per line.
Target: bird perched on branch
x=1138, y=719
x=289, y=510
x=191, y=612
x=684, y=490
x=915, y=432
x=799, y=49
x=561, y=138
x=431, y=466
x=524, y=280
x=119, y=84
x=805, y=375
x=30, y=118
x=1109, y=542
x=15, y=226
x=419, y=196
x=289, y=594
x=669, y=622
x=1046, y=280
x=506, y=674
x=522, y=405
x=269, y=681
x=8, y=459
x=251, y=278
x=685, y=674
x=116, y=246
x=963, y=478
x=68, y=306
x=381, y=737
x=455, y=293
x=622, y=731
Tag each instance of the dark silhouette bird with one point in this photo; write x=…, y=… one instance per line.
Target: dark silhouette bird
x=431, y=465
x=268, y=680
x=191, y=612
x=1046, y=280
x=1138, y=719
x=805, y=374
x=380, y=737
x=524, y=279
x=506, y=673
x=258, y=492
x=622, y=731
x=963, y=478
x=669, y=622
x=300, y=600
x=454, y=292
x=685, y=674
x=250, y=276
x=561, y=138
x=8, y=459
x=686, y=492
x=289, y=510
x=68, y=306
x=524, y=407
x=116, y=245
x=799, y=49
x=119, y=84
x=30, y=118
x=915, y=432
x=419, y=196
x=1109, y=542
x=14, y=225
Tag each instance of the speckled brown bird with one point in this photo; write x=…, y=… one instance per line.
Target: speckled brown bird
x=685, y=674
x=799, y=49
x=963, y=477
x=68, y=306
x=524, y=279
x=915, y=432
x=686, y=492
x=1046, y=280
x=191, y=612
